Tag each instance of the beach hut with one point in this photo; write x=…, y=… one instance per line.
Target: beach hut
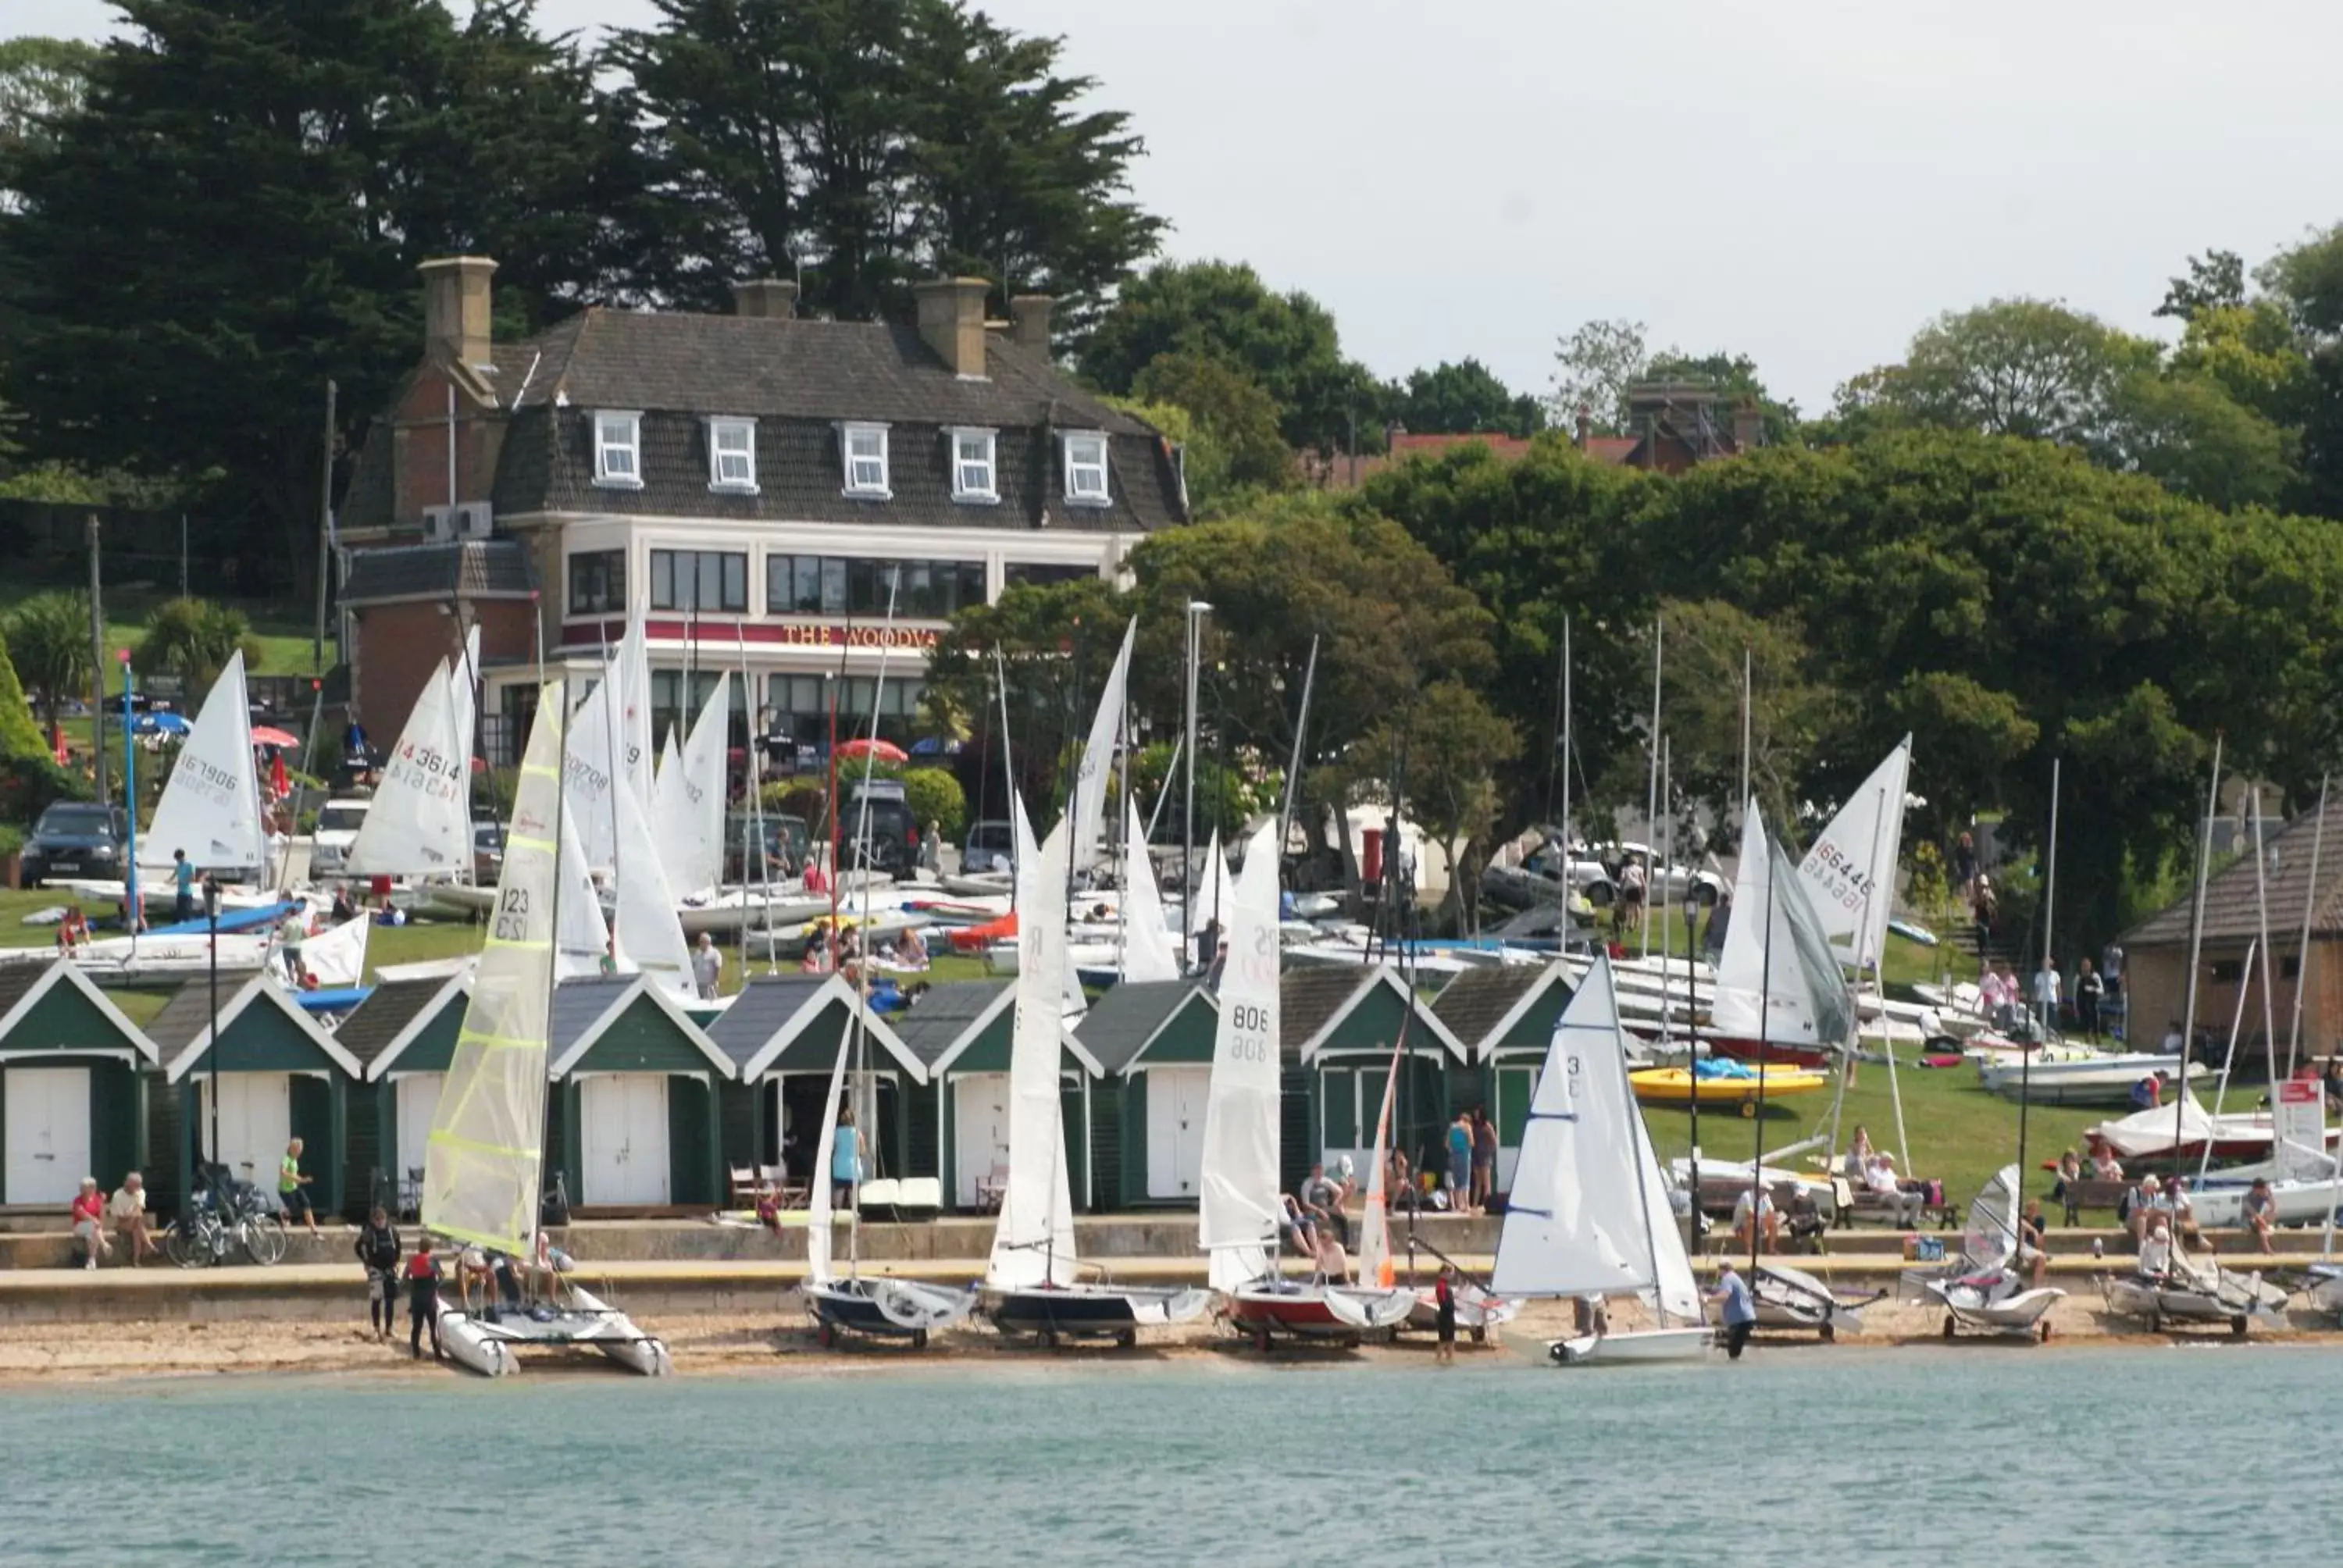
x=782, y=1034
x=404, y=1036
x=70, y=1090
x=633, y=1120
x=1338, y=1028
x=1152, y=1040
x=280, y=1076
x=1505, y=1014
x=961, y=1032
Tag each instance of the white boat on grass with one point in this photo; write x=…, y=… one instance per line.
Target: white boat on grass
x=1589, y=1213
x=1981, y=1290
x=2096, y=1079
x=487, y=1144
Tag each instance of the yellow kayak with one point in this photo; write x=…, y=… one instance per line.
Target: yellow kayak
x=1677, y=1086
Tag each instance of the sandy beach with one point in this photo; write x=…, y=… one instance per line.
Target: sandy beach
x=719, y=1344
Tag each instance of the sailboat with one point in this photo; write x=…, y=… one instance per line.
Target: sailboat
x=1030, y=1278
x=482, y=1161
x=419, y=824
x=1240, y=1206
x=1981, y=1290
x=1779, y=996
x=1589, y=1214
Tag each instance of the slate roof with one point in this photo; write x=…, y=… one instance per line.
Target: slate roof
x=578, y=1005
x=375, y=1022
x=1477, y=1000
x=16, y=982
x=2230, y=909
x=474, y=567
x=189, y=1012
x=1310, y=996
x=760, y=1012
x=1128, y=1015
x=935, y=1023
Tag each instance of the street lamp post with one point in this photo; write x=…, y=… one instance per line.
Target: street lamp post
x=211, y=921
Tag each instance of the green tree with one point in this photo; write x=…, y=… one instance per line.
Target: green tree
x=48, y=644
x=41, y=82
x=864, y=144
x=194, y=639
x=2305, y=282
x=1228, y=408
x=2215, y=281
x=1285, y=343
x=2011, y=368
x=255, y=180
x=1464, y=398
x=1593, y=367
x=1452, y=744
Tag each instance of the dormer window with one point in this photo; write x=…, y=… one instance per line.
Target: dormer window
x=732, y=455
x=1086, y=469
x=618, y=449
x=866, y=460
x=972, y=466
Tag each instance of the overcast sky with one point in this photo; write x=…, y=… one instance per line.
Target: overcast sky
x=1803, y=181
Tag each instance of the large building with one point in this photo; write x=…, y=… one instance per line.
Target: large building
x=756, y=482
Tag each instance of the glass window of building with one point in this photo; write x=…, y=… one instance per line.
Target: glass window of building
x=1039, y=573
x=618, y=449
x=732, y=455
x=972, y=466
x=597, y=582
x=702, y=580
x=866, y=460
x=1086, y=469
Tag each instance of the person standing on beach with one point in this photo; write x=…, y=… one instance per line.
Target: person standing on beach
x=293, y=1187
x=1484, y=1157
x=182, y=888
x=377, y=1250
x=845, y=1162
x=422, y=1299
x=1460, y=1163
x=1740, y=1312
x=1443, y=1296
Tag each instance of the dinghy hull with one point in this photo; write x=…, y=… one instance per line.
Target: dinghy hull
x=886, y=1309
x=488, y=1345
x=1094, y=1312
x=1638, y=1347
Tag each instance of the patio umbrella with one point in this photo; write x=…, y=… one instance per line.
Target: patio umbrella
x=263, y=735
x=883, y=750
x=164, y=722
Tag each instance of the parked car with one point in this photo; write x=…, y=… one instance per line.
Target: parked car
x=990, y=846
x=487, y=852
x=879, y=806
x=74, y=838
x=338, y=828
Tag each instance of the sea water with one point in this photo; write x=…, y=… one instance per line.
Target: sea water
x=1976, y=1452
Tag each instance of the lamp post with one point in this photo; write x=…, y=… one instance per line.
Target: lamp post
x=211, y=921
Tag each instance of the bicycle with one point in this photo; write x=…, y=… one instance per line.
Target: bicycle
x=203, y=1239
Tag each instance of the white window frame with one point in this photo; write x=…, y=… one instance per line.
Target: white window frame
x=1076, y=495
x=719, y=427
x=847, y=434
x=989, y=495
x=632, y=479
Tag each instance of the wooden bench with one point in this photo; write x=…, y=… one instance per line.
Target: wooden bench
x=2093, y=1192
x=1852, y=1203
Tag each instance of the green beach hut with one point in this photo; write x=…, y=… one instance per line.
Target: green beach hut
x=1338, y=1028
x=71, y=1093
x=1505, y=1015
x=1152, y=1040
x=782, y=1034
x=404, y=1035
x=961, y=1031
x=280, y=1076
x=633, y=1121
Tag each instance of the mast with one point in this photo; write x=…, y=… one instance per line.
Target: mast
x=1008, y=766
x=2302, y=947
x=1637, y=1139
x=1651, y=810
x=1301, y=734
x=861, y=1045
x=1748, y=701
x=1878, y=962
x=1764, y=1016
x=2262, y=944
x=2222, y=1090
x=2049, y=912
x=1567, y=890
x=610, y=752
x=2197, y=938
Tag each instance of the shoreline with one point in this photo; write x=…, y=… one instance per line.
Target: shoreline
x=780, y=1344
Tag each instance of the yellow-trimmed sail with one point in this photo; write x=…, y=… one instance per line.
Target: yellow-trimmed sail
x=482, y=1164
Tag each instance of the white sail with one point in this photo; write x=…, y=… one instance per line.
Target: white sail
x=1213, y=894
x=673, y=823
x=1238, y=1206
x=701, y=787
x=634, y=705
x=1375, y=1229
x=1089, y=806
x=817, y=1197
x=1849, y=871
x=1678, y=1292
x=1782, y=987
x=464, y=688
x=1149, y=951
x=419, y=825
x=481, y=1162
x=582, y=941
x=337, y=958
x=211, y=807
x=650, y=932
x=1575, y=1224
x=1990, y=1239
x=592, y=770
x=1033, y=1240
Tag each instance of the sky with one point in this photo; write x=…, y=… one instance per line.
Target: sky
x=1806, y=181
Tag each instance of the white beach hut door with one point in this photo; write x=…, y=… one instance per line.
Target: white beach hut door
x=979, y=1133
x=48, y=1134
x=418, y=1101
x=255, y=1123
x=1175, y=1129
x=623, y=1117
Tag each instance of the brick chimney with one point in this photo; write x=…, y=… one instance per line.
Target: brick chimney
x=767, y=298
x=1029, y=315
x=456, y=307
x=951, y=320
x=1748, y=426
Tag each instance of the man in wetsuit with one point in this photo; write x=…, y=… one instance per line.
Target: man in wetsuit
x=377, y=1250
x=422, y=1299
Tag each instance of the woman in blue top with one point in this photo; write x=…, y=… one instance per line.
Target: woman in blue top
x=1459, y=1162
x=845, y=1162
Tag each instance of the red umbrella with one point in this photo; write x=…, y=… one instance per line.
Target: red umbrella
x=279, y=785
x=884, y=750
x=266, y=735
